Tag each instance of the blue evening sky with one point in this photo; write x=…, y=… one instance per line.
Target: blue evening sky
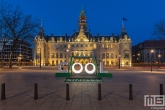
x=103, y=16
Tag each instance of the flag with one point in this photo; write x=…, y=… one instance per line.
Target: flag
x=124, y=19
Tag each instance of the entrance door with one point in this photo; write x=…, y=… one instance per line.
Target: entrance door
x=52, y=62
x=126, y=63
x=56, y=62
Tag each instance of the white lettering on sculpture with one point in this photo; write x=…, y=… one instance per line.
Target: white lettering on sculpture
x=59, y=67
x=92, y=71
x=101, y=68
x=77, y=71
x=81, y=68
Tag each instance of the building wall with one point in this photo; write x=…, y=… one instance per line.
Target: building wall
x=125, y=47
x=142, y=52
x=107, y=51
x=23, y=54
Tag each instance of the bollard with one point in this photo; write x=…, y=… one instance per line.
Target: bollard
x=67, y=92
x=161, y=89
x=130, y=92
x=35, y=91
x=3, y=96
x=99, y=92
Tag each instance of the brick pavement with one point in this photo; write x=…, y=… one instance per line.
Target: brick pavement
x=83, y=96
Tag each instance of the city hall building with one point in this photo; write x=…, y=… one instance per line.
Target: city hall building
x=112, y=50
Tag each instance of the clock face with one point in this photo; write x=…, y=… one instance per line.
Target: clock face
x=83, y=19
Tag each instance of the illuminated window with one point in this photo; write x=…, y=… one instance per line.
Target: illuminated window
x=107, y=55
x=91, y=45
x=56, y=62
x=61, y=55
x=103, y=55
x=56, y=55
x=48, y=55
x=52, y=55
x=112, y=55
x=52, y=62
x=56, y=45
x=126, y=55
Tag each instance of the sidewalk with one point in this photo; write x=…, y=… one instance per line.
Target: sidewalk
x=83, y=95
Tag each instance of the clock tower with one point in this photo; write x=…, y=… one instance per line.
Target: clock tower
x=82, y=20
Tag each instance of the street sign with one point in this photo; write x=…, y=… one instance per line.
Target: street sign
x=83, y=80
x=37, y=57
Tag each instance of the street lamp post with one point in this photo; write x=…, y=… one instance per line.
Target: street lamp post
x=151, y=58
x=138, y=59
x=40, y=58
x=19, y=59
x=30, y=63
x=133, y=60
x=119, y=61
x=159, y=61
x=108, y=61
x=67, y=56
x=106, y=56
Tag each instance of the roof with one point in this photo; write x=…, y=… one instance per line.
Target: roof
x=123, y=32
x=41, y=34
x=88, y=34
x=82, y=13
x=150, y=44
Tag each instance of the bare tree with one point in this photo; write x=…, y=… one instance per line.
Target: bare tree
x=159, y=30
x=3, y=34
x=3, y=40
x=20, y=27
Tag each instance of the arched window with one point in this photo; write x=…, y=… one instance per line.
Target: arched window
x=52, y=62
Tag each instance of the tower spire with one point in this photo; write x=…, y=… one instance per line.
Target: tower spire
x=41, y=21
x=122, y=23
x=82, y=20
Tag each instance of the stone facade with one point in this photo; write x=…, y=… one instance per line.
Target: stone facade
x=108, y=49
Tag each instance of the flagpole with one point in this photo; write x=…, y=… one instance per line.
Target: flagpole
x=41, y=21
x=122, y=22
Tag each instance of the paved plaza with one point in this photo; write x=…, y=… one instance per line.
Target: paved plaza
x=83, y=95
